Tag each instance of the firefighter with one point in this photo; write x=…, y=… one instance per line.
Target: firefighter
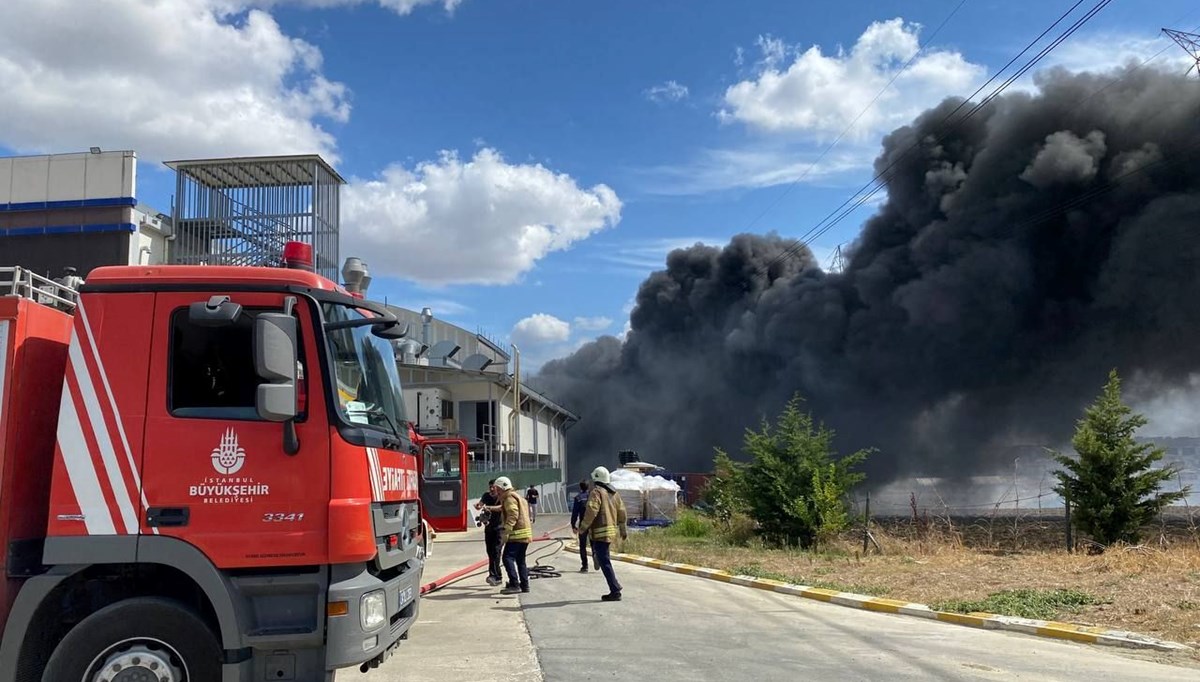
x=489, y=504
x=603, y=521
x=577, y=510
x=517, y=533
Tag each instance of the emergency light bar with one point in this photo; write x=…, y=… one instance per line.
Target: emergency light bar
x=298, y=256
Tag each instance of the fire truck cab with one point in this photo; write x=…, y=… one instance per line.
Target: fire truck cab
x=205, y=474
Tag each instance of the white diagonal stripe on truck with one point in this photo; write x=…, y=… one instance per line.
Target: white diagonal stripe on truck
x=81, y=469
x=376, y=478
x=112, y=402
x=95, y=417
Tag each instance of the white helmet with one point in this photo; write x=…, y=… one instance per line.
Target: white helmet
x=503, y=483
x=600, y=475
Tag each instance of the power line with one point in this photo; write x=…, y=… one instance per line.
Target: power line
x=862, y=113
x=872, y=187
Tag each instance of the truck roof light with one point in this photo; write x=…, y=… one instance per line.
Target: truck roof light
x=298, y=256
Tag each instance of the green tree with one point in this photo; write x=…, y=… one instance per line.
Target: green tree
x=795, y=485
x=725, y=491
x=1112, y=486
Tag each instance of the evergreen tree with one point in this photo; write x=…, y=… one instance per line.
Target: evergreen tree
x=795, y=485
x=1112, y=486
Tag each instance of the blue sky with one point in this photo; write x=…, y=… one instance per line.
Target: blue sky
x=522, y=166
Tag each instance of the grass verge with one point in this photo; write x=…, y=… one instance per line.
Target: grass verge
x=1039, y=604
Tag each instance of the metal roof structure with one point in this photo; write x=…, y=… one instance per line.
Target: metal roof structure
x=258, y=171
x=242, y=210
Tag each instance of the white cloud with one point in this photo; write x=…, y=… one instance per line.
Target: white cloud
x=1103, y=51
x=752, y=168
x=540, y=329
x=667, y=92
x=173, y=78
x=592, y=324
x=773, y=50
x=483, y=221
x=821, y=94
x=441, y=307
x=401, y=7
x=643, y=256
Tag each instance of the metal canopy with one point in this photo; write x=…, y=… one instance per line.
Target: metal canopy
x=257, y=171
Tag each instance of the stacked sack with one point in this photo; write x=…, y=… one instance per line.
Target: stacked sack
x=628, y=485
x=662, y=498
x=652, y=498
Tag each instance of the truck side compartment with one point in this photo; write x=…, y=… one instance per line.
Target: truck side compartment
x=33, y=352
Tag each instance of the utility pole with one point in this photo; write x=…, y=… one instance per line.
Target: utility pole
x=1190, y=42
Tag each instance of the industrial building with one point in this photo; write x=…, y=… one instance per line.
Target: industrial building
x=80, y=211
x=77, y=210
x=460, y=383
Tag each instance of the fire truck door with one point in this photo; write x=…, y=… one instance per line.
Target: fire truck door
x=215, y=472
x=444, y=484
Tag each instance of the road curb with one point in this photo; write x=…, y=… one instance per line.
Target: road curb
x=987, y=621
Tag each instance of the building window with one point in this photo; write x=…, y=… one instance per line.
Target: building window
x=447, y=409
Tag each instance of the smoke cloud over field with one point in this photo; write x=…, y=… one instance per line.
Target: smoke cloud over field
x=1053, y=236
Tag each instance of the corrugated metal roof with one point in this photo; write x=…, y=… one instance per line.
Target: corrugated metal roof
x=256, y=171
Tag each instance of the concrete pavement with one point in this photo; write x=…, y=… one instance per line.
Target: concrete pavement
x=675, y=627
x=466, y=630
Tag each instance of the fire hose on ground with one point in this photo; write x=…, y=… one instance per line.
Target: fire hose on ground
x=536, y=571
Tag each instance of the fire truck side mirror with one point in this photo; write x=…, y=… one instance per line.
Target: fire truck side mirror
x=275, y=361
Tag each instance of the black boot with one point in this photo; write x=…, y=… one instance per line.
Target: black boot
x=612, y=596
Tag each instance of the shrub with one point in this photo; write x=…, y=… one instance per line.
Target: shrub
x=740, y=530
x=690, y=524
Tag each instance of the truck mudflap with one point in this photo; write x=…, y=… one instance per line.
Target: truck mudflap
x=353, y=641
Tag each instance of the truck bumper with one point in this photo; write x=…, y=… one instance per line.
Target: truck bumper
x=347, y=642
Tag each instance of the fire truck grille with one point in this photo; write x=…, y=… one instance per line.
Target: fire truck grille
x=396, y=527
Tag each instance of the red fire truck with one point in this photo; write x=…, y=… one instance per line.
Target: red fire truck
x=205, y=474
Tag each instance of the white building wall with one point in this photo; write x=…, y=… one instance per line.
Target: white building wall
x=148, y=246
x=476, y=391
x=68, y=177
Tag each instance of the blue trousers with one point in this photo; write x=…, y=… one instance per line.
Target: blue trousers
x=583, y=542
x=514, y=564
x=600, y=554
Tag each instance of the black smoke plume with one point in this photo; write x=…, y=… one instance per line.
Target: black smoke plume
x=1053, y=236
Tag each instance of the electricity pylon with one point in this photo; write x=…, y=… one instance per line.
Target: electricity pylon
x=1189, y=42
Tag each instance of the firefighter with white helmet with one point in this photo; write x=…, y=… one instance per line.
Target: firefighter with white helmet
x=603, y=521
x=516, y=532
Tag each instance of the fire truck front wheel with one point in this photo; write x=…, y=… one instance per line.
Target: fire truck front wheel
x=145, y=638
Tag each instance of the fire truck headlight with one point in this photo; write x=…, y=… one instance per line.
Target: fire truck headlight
x=373, y=610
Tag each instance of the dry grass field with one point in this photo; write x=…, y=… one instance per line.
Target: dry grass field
x=1012, y=564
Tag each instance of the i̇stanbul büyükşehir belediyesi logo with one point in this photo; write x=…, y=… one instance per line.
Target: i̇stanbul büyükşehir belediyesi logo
x=228, y=457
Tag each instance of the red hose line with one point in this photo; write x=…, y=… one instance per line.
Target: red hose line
x=451, y=577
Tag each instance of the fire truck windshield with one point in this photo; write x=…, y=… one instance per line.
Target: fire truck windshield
x=367, y=390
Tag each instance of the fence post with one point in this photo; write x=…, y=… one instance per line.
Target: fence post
x=1070, y=539
x=867, y=524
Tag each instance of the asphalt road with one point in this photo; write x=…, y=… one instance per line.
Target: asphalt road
x=674, y=627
